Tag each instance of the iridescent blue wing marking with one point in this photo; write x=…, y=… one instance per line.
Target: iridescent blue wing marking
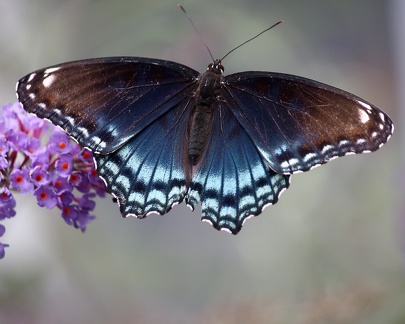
x=146, y=174
x=233, y=181
x=104, y=102
x=297, y=123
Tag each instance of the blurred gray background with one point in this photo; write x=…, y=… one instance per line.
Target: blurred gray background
x=331, y=250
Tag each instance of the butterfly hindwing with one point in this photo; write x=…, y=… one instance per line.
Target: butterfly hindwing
x=233, y=182
x=297, y=123
x=103, y=102
x=146, y=174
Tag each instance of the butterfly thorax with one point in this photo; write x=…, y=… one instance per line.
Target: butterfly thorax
x=201, y=120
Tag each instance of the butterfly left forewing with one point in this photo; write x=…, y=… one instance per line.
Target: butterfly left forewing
x=297, y=123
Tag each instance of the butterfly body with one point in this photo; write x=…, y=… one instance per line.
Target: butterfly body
x=201, y=120
x=162, y=133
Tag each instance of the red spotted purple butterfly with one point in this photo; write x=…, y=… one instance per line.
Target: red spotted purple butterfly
x=163, y=133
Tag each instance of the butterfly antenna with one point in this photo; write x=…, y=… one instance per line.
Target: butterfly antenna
x=267, y=29
x=198, y=33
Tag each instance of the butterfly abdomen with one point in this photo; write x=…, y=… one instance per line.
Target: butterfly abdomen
x=201, y=118
x=200, y=130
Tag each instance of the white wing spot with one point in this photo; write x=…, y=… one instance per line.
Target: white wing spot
x=102, y=145
x=364, y=117
x=51, y=70
x=326, y=149
x=365, y=105
x=316, y=165
x=83, y=131
x=250, y=216
x=207, y=221
x=293, y=161
x=31, y=77
x=70, y=120
x=48, y=81
x=57, y=111
x=309, y=157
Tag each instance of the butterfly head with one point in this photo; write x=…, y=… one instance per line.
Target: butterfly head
x=216, y=67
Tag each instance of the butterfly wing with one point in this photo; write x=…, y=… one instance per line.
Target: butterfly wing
x=146, y=174
x=233, y=181
x=297, y=123
x=104, y=102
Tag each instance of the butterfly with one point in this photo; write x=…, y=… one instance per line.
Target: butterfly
x=162, y=133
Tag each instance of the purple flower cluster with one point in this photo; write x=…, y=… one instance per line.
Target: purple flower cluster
x=59, y=174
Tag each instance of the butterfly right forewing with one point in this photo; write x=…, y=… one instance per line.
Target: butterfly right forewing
x=104, y=102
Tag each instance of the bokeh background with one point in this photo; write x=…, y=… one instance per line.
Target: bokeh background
x=332, y=249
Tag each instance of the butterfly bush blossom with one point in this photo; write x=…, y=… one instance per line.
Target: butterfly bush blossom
x=58, y=173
